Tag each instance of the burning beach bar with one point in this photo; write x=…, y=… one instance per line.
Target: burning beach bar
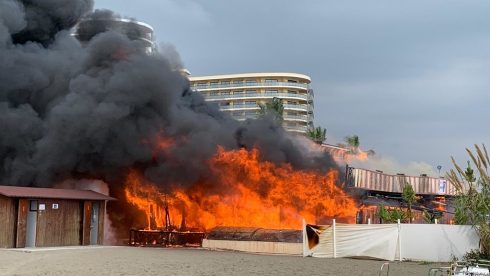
x=376, y=189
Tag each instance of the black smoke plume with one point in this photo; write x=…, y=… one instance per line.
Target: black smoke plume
x=73, y=111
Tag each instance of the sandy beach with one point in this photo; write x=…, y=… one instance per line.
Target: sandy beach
x=184, y=261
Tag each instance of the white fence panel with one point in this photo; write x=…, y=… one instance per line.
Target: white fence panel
x=364, y=240
x=437, y=242
x=427, y=242
x=324, y=248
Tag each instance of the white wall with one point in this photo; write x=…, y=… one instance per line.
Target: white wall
x=437, y=242
x=425, y=242
x=284, y=248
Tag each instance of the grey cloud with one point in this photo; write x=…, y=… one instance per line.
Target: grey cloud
x=410, y=78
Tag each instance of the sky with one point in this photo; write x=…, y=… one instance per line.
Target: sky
x=411, y=78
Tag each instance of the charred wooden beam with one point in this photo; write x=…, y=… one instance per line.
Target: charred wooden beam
x=138, y=237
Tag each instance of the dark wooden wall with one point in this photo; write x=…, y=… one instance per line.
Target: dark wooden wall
x=59, y=227
x=100, y=238
x=87, y=211
x=22, y=222
x=8, y=220
x=67, y=225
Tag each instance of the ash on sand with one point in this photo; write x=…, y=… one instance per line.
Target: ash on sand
x=179, y=261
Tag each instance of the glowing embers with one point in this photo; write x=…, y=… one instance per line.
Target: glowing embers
x=243, y=191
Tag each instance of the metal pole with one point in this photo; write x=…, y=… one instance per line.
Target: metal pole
x=399, y=241
x=369, y=220
x=305, y=240
x=334, y=239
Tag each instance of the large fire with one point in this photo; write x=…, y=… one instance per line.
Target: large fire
x=243, y=191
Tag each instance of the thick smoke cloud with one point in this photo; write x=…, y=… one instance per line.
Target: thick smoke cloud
x=46, y=18
x=94, y=111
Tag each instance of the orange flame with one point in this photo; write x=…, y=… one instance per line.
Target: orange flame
x=244, y=191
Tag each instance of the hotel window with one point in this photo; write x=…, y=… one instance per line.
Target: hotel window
x=238, y=82
x=201, y=84
x=250, y=102
x=213, y=84
x=250, y=92
x=251, y=82
x=270, y=81
x=293, y=103
x=292, y=92
x=225, y=83
x=271, y=92
x=238, y=92
x=225, y=93
x=224, y=103
x=213, y=94
x=292, y=81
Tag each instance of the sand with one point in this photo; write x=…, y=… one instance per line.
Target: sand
x=184, y=261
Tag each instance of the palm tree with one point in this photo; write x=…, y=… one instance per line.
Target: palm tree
x=274, y=108
x=353, y=143
x=318, y=134
x=473, y=199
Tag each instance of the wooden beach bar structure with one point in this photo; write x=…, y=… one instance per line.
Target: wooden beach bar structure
x=42, y=217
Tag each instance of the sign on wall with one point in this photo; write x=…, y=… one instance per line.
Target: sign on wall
x=442, y=185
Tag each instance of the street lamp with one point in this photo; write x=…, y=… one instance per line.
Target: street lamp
x=439, y=167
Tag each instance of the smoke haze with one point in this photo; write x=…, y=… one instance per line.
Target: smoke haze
x=94, y=111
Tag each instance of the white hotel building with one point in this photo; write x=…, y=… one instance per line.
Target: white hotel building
x=240, y=94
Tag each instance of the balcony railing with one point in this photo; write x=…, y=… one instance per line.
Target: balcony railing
x=266, y=95
x=296, y=106
x=253, y=84
x=302, y=107
x=296, y=128
x=239, y=106
x=305, y=118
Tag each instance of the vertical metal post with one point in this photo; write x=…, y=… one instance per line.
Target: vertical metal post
x=369, y=220
x=399, y=241
x=435, y=221
x=334, y=239
x=305, y=241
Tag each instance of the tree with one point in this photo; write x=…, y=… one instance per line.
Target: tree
x=408, y=195
x=274, y=109
x=318, y=134
x=430, y=216
x=391, y=215
x=473, y=194
x=353, y=143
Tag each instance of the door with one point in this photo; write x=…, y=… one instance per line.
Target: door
x=31, y=224
x=94, y=223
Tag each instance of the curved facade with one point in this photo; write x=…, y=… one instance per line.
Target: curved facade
x=134, y=30
x=240, y=94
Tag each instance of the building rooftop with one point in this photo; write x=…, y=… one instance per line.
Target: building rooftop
x=30, y=192
x=250, y=75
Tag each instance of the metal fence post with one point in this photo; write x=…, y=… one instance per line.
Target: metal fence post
x=305, y=240
x=334, y=239
x=399, y=241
